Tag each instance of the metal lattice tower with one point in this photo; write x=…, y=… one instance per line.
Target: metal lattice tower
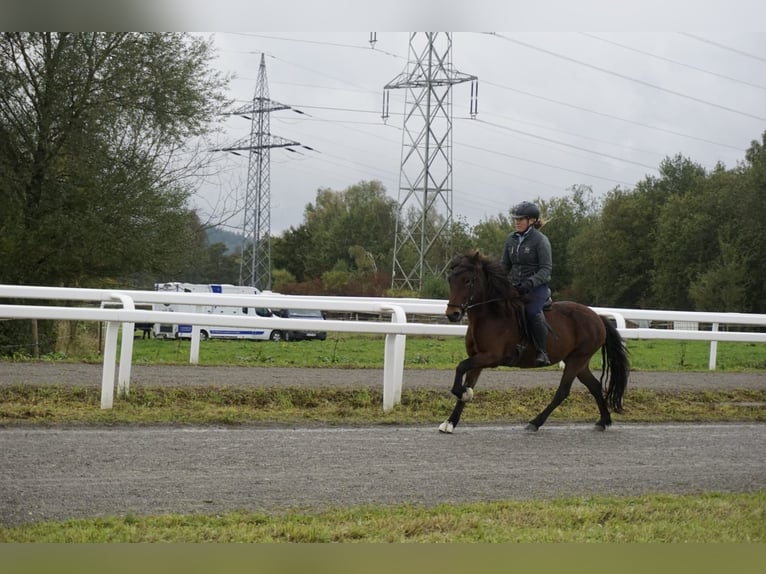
x=255, y=264
x=425, y=178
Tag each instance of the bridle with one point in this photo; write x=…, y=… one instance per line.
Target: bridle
x=468, y=304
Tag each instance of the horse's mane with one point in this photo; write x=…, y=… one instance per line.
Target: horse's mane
x=499, y=292
x=497, y=284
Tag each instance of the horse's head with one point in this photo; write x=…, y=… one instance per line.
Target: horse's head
x=464, y=280
x=478, y=281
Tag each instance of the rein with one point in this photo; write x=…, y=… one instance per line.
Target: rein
x=467, y=305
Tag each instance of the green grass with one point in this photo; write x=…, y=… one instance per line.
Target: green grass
x=220, y=405
x=341, y=351
x=650, y=518
x=56, y=405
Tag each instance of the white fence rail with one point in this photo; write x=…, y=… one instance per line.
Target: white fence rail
x=395, y=331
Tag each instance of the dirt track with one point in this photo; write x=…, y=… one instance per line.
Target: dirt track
x=153, y=375
x=54, y=474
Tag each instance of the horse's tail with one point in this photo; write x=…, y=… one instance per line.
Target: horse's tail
x=616, y=365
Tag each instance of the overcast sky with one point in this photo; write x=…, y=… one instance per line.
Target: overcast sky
x=555, y=109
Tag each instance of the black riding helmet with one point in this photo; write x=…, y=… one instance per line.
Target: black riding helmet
x=525, y=209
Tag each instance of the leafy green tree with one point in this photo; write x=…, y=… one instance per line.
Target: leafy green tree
x=94, y=163
x=564, y=218
x=291, y=250
x=611, y=254
x=747, y=214
x=460, y=237
x=721, y=286
x=615, y=255
x=686, y=206
x=361, y=217
x=280, y=278
x=689, y=232
x=490, y=234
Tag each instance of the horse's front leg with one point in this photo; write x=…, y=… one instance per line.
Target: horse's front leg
x=471, y=377
x=463, y=392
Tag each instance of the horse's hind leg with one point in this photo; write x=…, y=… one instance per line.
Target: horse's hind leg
x=594, y=386
x=561, y=393
x=449, y=425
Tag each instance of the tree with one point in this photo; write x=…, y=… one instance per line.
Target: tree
x=291, y=250
x=721, y=286
x=336, y=229
x=490, y=234
x=95, y=171
x=564, y=218
x=615, y=257
x=685, y=213
x=611, y=254
x=749, y=213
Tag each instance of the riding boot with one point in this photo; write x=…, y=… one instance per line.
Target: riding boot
x=538, y=330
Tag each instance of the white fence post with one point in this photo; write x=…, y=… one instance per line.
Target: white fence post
x=194, y=351
x=110, y=358
x=713, y=351
x=126, y=348
x=393, y=361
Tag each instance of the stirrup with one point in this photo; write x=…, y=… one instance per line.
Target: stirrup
x=542, y=360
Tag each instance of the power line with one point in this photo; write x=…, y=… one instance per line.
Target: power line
x=569, y=133
x=557, y=142
x=511, y=174
x=629, y=78
x=581, y=108
x=499, y=126
x=722, y=46
x=546, y=164
x=317, y=42
x=676, y=62
x=611, y=116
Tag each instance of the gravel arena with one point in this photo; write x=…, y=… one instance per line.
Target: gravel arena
x=78, y=471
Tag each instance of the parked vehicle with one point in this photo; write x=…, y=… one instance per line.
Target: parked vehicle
x=170, y=330
x=302, y=314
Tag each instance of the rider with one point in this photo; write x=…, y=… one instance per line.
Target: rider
x=527, y=256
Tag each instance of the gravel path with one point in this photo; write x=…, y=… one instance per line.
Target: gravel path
x=59, y=473
x=156, y=375
x=52, y=474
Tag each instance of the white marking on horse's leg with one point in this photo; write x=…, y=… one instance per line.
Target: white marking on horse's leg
x=467, y=395
x=446, y=427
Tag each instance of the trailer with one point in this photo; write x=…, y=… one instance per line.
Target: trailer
x=170, y=330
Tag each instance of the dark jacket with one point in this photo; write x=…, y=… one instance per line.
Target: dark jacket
x=528, y=259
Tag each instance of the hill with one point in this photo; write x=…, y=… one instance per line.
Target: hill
x=232, y=241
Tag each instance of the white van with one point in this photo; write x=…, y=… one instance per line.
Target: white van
x=170, y=330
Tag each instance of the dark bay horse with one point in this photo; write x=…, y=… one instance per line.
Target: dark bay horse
x=480, y=288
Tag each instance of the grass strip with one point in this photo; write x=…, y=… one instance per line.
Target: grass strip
x=63, y=405
x=650, y=518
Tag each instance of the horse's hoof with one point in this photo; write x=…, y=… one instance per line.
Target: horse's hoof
x=446, y=427
x=600, y=427
x=467, y=395
x=531, y=427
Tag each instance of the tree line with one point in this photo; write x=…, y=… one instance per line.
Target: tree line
x=100, y=155
x=686, y=239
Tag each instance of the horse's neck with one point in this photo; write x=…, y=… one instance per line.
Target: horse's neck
x=512, y=311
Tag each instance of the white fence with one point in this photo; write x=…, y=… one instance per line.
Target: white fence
x=395, y=331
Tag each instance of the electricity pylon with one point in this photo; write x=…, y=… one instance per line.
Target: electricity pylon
x=255, y=264
x=424, y=214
